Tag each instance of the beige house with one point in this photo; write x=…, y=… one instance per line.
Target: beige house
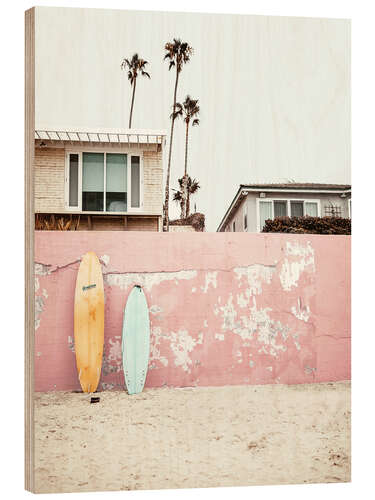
x=253, y=204
x=99, y=179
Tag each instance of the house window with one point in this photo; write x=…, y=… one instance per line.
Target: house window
x=103, y=182
x=271, y=208
x=245, y=218
x=135, y=175
x=280, y=208
x=265, y=212
x=73, y=179
x=116, y=183
x=296, y=208
x=93, y=182
x=234, y=227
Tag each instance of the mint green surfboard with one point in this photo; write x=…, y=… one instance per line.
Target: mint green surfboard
x=135, y=340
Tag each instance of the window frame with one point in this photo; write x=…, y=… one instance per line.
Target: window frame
x=245, y=218
x=129, y=154
x=288, y=200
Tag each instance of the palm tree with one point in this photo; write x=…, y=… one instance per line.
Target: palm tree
x=135, y=67
x=189, y=109
x=192, y=188
x=178, y=53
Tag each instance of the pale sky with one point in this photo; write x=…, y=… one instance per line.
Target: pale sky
x=274, y=92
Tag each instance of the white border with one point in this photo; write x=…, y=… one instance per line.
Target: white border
x=363, y=110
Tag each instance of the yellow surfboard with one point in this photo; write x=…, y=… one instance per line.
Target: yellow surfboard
x=89, y=322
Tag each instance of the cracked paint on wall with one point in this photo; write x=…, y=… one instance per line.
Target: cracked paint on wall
x=298, y=258
x=224, y=308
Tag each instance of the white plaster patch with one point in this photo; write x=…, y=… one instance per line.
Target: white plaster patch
x=36, y=283
x=258, y=322
x=193, y=290
x=243, y=300
x=71, y=343
x=155, y=309
x=301, y=312
x=44, y=293
x=105, y=259
x=155, y=355
x=115, y=352
x=219, y=336
x=255, y=274
x=211, y=279
x=205, y=323
x=182, y=344
x=291, y=270
x=41, y=269
x=146, y=280
x=39, y=308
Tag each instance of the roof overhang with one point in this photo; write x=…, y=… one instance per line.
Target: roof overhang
x=243, y=191
x=100, y=136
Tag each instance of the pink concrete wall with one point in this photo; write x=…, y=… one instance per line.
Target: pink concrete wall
x=225, y=308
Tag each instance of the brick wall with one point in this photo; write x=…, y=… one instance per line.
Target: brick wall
x=49, y=179
x=153, y=181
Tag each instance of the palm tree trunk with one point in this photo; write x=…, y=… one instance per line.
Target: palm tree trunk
x=188, y=203
x=166, y=202
x=132, y=104
x=184, y=182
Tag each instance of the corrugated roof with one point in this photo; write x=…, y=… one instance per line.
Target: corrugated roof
x=100, y=135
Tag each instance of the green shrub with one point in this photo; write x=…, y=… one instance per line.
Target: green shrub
x=308, y=225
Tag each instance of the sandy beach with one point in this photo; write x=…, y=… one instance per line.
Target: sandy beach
x=193, y=437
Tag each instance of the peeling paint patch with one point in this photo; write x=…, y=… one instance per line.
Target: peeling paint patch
x=255, y=274
x=310, y=370
x=182, y=344
x=112, y=357
x=147, y=280
x=291, y=270
x=39, y=308
x=155, y=309
x=211, y=279
x=71, y=343
x=155, y=354
x=115, y=352
x=301, y=312
x=219, y=336
x=107, y=387
x=41, y=269
x=272, y=334
x=105, y=259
